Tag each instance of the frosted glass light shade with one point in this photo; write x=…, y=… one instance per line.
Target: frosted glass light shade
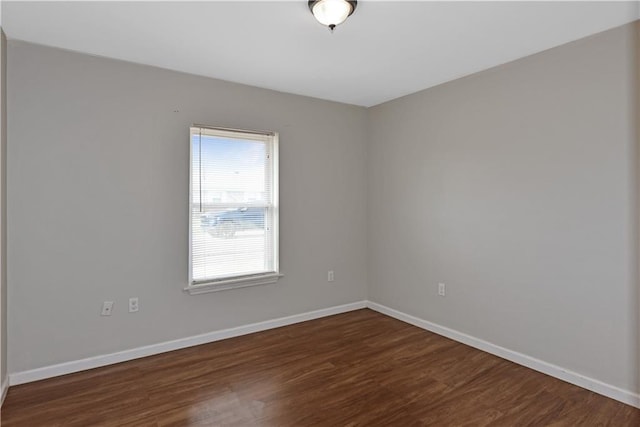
x=332, y=12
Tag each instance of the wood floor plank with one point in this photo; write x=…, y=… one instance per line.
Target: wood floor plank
x=354, y=369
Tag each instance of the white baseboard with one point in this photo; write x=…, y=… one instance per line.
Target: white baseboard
x=149, y=350
x=608, y=390
x=4, y=388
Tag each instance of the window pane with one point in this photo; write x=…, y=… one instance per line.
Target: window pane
x=228, y=243
x=226, y=170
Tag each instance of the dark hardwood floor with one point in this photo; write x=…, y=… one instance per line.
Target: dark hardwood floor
x=354, y=369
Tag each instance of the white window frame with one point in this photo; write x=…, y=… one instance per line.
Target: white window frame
x=233, y=282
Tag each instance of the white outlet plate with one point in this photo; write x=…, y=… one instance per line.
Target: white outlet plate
x=330, y=277
x=133, y=305
x=442, y=289
x=107, y=308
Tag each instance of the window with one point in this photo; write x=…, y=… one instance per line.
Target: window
x=233, y=207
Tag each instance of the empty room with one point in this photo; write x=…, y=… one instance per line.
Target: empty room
x=320, y=213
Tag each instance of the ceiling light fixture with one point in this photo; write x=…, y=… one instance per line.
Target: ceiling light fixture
x=332, y=12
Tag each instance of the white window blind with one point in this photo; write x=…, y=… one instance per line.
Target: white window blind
x=233, y=207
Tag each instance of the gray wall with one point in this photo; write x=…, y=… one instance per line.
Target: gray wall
x=636, y=115
x=517, y=187
x=3, y=206
x=97, y=203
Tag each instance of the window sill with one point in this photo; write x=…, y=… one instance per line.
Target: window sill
x=234, y=283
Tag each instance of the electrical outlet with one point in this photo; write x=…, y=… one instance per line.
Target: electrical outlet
x=330, y=277
x=133, y=305
x=442, y=290
x=107, y=308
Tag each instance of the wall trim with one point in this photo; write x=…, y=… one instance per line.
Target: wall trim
x=608, y=390
x=4, y=388
x=149, y=350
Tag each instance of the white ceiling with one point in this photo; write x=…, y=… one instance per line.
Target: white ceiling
x=385, y=50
